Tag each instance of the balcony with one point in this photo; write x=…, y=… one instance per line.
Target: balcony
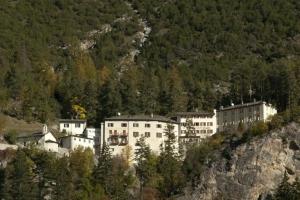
x=120, y=139
x=123, y=142
x=114, y=142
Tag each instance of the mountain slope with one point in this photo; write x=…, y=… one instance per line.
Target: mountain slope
x=146, y=56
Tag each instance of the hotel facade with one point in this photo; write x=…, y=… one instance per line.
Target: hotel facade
x=229, y=118
x=123, y=132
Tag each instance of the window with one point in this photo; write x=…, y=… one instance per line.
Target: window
x=147, y=134
x=79, y=140
x=110, y=132
x=203, y=131
x=83, y=140
x=147, y=125
x=209, y=131
x=123, y=125
x=197, y=131
x=158, y=126
x=135, y=125
x=197, y=124
x=74, y=138
x=110, y=124
x=66, y=125
x=135, y=134
x=158, y=135
x=77, y=125
x=124, y=132
x=209, y=123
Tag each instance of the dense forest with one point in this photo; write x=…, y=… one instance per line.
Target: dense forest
x=59, y=58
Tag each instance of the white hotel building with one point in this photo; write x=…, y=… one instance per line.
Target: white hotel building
x=230, y=117
x=124, y=131
x=204, y=124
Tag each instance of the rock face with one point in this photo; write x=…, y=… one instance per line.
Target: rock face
x=253, y=170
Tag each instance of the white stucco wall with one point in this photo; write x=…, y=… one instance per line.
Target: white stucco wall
x=73, y=142
x=50, y=146
x=70, y=127
x=204, y=126
x=92, y=132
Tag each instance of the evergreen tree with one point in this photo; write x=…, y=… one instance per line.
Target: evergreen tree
x=169, y=166
x=110, y=99
x=102, y=173
x=286, y=190
x=64, y=187
x=20, y=179
x=145, y=167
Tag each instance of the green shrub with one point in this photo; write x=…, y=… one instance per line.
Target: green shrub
x=11, y=137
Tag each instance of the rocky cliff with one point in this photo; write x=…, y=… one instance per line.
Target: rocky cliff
x=253, y=169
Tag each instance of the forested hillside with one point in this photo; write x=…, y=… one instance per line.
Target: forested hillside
x=59, y=58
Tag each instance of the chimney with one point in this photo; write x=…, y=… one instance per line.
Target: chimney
x=45, y=129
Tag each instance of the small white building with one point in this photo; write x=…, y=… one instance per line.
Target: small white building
x=203, y=125
x=72, y=126
x=230, y=117
x=122, y=132
x=72, y=142
x=91, y=132
x=43, y=140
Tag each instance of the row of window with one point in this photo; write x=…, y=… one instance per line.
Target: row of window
x=199, y=124
x=199, y=131
x=249, y=119
x=147, y=134
x=147, y=125
x=135, y=134
x=77, y=125
x=80, y=139
x=116, y=132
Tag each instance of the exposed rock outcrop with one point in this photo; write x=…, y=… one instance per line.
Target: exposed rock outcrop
x=253, y=170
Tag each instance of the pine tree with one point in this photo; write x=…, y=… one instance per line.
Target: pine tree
x=286, y=190
x=20, y=179
x=102, y=173
x=169, y=165
x=190, y=129
x=144, y=170
x=64, y=187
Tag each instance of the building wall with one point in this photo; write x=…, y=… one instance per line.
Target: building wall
x=51, y=147
x=72, y=128
x=204, y=126
x=247, y=114
x=92, y=132
x=127, y=132
x=73, y=142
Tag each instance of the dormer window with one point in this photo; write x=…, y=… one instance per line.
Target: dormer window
x=66, y=125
